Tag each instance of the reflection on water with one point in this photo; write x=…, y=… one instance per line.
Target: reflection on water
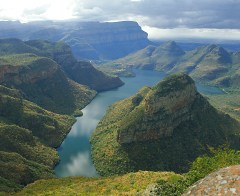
x=75, y=152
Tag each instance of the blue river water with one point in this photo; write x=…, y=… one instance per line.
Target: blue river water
x=75, y=154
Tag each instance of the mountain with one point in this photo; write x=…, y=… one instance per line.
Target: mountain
x=88, y=40
x=80, y=71
x=160, y=128
x=161, y=57
x=41, y=81
x=205, y=63
x=212, y=64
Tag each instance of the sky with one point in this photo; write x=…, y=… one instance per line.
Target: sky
x=162, y=19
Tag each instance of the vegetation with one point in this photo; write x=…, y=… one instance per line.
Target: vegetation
x=41, y=81
x=27, y=134
x=80, y=71
x=30, y=81
x=128, y=184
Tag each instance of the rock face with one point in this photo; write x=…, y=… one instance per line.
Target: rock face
x=160, y=128
x=41, y=81
x=165, y=108
x=225, y=181
x=88, y=40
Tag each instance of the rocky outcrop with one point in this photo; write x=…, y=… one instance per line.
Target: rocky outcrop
x=160, y=128
x=165, y=108
x=88, y=40
x=225, y=181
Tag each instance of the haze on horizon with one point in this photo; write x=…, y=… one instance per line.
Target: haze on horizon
x=162, y=19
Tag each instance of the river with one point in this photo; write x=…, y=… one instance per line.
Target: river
x=75, y=152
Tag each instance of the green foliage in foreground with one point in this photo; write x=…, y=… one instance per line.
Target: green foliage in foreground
x=164, y=183
x=128, y=184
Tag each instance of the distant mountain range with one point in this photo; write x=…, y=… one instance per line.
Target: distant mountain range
x=88, y=40
x=212, y=64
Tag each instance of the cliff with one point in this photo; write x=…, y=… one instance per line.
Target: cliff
x=160, y=128
x=88, y=40
x=41, y=81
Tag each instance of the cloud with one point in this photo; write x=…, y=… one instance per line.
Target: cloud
x=196, y=33
x=156, y=13
x=161, y=14
x=80, y=165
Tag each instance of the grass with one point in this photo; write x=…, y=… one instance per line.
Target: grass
x=128, y=184
x=137, y=183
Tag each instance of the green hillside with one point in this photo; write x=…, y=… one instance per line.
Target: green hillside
x=80, y=71
x=210, y=64
x=172, y=118
x=41, y=81
x=28, y=134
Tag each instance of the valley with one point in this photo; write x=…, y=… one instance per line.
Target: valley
x=97, y=108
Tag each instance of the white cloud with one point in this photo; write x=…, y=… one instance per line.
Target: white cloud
x=80, y=165
x=184, y=33
x=162, y=14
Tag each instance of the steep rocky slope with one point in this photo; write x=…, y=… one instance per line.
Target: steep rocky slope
x=41, y=81
x=80, y=71
x=160, y=128
x=88, y=40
